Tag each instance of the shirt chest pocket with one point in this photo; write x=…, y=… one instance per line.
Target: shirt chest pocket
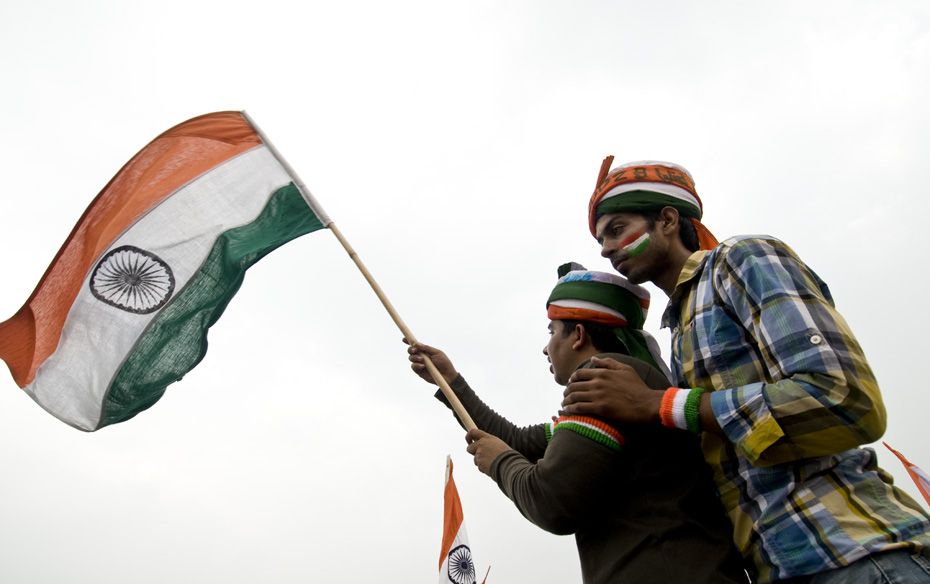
x=715, y=351
x=734, y=354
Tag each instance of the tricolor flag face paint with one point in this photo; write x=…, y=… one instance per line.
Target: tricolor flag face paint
x=635, y=244
x=124, y=308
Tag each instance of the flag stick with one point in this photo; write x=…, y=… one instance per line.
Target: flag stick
x=408, y=334
x=327, y=222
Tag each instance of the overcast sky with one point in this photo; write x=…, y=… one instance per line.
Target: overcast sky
x=455, y=145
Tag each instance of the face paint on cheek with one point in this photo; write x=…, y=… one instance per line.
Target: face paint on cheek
x=635, y=244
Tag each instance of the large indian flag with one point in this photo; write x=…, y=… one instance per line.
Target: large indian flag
x=124, y=308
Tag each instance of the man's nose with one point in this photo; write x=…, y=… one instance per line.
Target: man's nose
x=606, y=249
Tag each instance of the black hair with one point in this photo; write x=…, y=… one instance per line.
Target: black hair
x=686, y=232
x=602, y=336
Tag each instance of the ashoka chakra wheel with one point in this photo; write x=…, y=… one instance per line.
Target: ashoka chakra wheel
x=461, y=567
x=133, y=280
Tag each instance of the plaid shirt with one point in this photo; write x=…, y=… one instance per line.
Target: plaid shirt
x=795, y=398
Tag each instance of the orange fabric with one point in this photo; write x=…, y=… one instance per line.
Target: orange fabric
x=452, y=516
x=909, y=467
x=644, y=173
x=665, y=407
x=600, y=425
x=706, y=239
x=167, y=163
x=584, y=314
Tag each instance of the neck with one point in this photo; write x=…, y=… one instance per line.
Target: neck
x=668, y=277
x=585, y=355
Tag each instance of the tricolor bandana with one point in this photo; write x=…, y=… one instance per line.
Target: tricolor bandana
x=606, y=299
x=647, y=186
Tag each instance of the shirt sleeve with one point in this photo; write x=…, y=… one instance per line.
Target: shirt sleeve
x=821, y=396
x=530, y=441
x=557, y=493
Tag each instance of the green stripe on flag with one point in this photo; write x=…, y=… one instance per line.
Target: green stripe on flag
x=176, y=340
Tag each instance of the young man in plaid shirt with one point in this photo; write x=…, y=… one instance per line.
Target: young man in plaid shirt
x=770, y=375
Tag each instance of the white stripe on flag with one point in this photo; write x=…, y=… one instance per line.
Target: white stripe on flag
x=96, y=337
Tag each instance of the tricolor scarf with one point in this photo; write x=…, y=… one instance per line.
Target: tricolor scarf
x=606, y=299
x=647, y=186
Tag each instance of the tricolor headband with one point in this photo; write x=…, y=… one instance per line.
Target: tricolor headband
x=646, y=186
x=606, y=299
x=597, y=297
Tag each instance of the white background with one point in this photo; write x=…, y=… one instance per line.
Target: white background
x=455, y=145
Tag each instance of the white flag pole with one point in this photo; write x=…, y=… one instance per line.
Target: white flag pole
x=450, y=396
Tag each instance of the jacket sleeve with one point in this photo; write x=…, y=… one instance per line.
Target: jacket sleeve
x=821, y=396
x=558, y=493
x=530, y=441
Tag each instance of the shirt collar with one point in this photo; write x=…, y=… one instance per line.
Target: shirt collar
x=693, y=267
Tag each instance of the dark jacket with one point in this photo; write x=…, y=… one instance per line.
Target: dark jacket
x=648, y=513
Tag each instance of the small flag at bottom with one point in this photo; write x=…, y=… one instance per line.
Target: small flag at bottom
x=455, y=561
x=920, y=478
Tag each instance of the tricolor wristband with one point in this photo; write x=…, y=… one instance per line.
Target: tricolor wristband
x=681, y=408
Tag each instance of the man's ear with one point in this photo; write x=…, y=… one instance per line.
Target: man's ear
x=669, y=218
x=580, y=338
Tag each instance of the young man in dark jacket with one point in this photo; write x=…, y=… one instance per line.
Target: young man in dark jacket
x=639, y=500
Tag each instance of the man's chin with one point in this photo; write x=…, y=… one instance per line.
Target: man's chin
x=630, y=275
x=634, y=278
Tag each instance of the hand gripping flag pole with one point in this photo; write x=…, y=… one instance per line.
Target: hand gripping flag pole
x=408, y=334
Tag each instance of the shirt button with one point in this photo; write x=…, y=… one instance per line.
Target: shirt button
x=816, y=339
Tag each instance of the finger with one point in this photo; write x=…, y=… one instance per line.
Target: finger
x=578, y=397
x=584, y=375
x=608, y=363
x=474, y=435
x=580, y=387
x=581, y=409
x=431, y=351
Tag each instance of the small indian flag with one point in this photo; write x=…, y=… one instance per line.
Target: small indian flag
x=635, y=244
x=124, y=308
x=455, y=561
x=920, y=478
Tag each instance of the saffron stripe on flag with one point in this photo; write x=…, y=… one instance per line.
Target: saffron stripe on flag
x=455, y=560
x=165, y=165
x=920, y=478
x=151, y=265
